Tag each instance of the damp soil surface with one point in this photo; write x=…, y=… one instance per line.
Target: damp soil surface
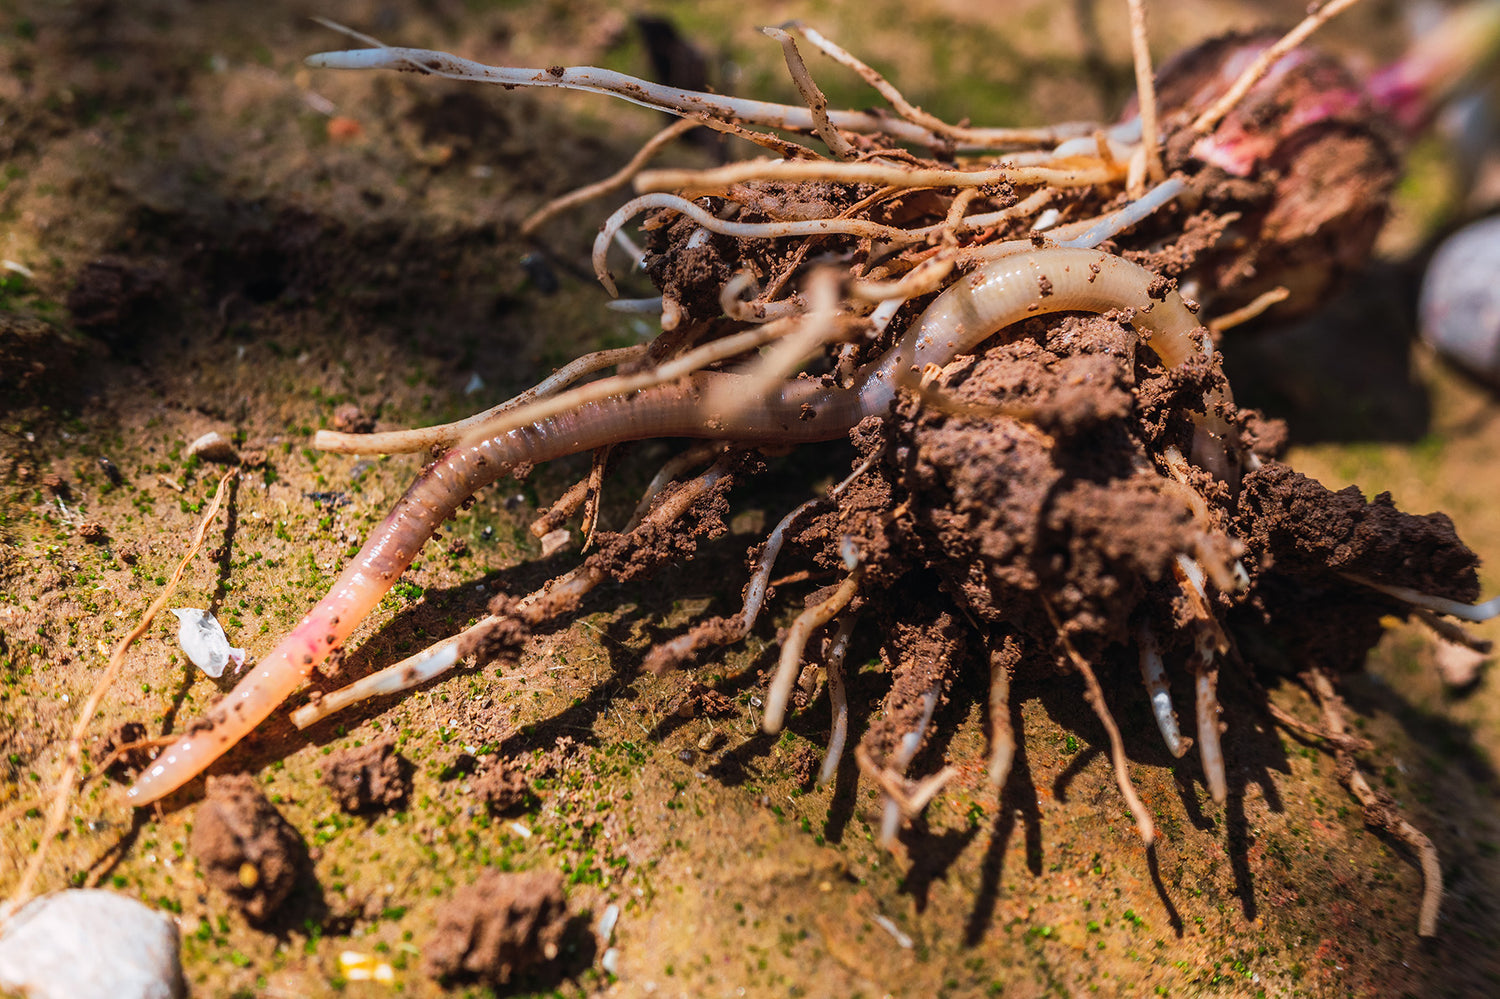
x=211, y=237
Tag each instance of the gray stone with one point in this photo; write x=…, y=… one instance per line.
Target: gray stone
x=90, y=944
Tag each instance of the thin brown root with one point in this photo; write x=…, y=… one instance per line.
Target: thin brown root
x=1002, y=737
x=903, y=798
x=561, y=509
x=668, y=473
x=1287, y=720
x=1380, y=810
x=618, y=385
x=1094, y=694
x=989, y=137
x=447, y=434
x=1145, y=88
x=62, y=789
x=812, y=95
x=807, y=622
x=1206, y=121
x=592, y=503
x=1453, y=632
x=1210, y=747
x=613, y=182
x=1245, y=313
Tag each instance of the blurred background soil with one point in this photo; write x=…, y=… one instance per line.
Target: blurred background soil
x=212, y=237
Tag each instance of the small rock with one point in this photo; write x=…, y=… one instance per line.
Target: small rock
x=92, y=531
x=56, y=485
x=1458, y=665
x=350, y=419
x=90, y=944
x=1460, y=306
x=214, y=446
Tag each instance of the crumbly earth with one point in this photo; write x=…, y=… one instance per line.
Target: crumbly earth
x=369, y=778
x=499, y=928
x=210, y=251
x=245, y=848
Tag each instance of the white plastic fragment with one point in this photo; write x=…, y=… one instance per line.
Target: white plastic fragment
x=607, y=923
x=203, y=639
x=902, y=940
x=90, y=944
x=213, y=446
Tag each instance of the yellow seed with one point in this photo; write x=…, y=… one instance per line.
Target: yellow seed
x=249, y=874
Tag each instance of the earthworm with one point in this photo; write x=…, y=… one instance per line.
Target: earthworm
x=971, y=310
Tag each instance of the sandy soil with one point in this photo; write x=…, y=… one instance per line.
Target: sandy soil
x=219, y=239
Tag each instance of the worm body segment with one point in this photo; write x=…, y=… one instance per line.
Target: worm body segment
x=964, y=315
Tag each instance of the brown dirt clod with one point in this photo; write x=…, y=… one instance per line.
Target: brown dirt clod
x=369, y=778
x=247, y=850
x=501, y=926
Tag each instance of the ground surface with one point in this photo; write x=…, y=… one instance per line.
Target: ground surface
x=211, y=252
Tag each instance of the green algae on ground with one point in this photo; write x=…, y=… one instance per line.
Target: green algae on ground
x=298, y=273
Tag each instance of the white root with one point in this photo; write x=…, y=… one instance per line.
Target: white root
x=688, y=103
x=838, y=698
x=897, y=799
x=1154, y=673
x=719, y=179
x=1205, y=678
x=1473, y=613
x=812, y=96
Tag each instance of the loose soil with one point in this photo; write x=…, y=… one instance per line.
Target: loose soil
x=212, y=252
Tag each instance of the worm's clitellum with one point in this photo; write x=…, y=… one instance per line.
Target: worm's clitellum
x=970, y=311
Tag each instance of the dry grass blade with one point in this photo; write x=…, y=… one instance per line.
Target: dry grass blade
x=62, y=790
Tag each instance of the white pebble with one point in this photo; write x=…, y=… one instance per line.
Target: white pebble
x=203, y=639
x=90, y=944
x=213, y=446
x=1460, y=306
